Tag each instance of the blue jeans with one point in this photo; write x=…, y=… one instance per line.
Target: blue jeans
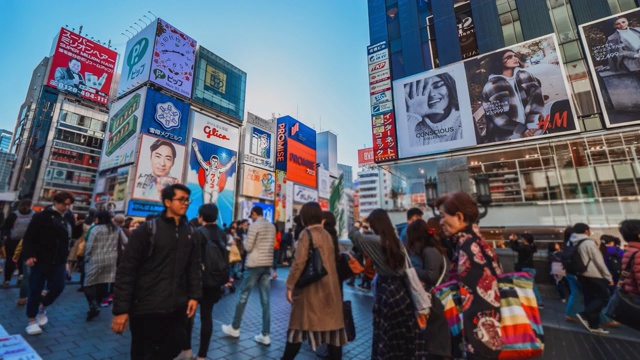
x=261, y=276
x=54, y=277
x=24, y=287
x=575, y=300
x=532, y=272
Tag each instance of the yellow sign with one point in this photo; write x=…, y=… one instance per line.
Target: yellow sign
x=216, y=79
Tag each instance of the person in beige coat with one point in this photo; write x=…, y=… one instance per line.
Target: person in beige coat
x=316, y=310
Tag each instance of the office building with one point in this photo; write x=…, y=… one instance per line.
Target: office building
x=347, y=172
x=374, y=188
x=565, y=154
x=5, y=140
x=327, y=150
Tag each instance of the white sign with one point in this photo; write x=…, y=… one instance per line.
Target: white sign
x=174, y=58
x=324, y=183
x=378, y=56
x=379, y=76
x=377, y=67
x=381, y=108
x=380, y=87
x=136, y=66
x=382, y=97
x=259, y=142
x=303, y=194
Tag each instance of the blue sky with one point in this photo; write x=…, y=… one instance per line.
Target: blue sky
x=303, y=58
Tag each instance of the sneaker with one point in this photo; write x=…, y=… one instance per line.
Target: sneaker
x=42, y=318
x=263, y=339
x=229, y=330
x=33, y=328
x=104, y=303
x=541, y=306
x=599, y=331
x=572, y=319
x=564, y=301
x=91, y=314
x=584, y=322
x=611, y=324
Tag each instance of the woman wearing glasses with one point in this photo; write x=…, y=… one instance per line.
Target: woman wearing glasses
x=512, y=98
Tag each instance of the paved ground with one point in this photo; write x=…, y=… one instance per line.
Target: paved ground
x=69, y=336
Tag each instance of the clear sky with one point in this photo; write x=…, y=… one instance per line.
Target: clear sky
x=303, y=58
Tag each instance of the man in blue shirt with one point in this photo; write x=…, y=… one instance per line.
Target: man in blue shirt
x=412, y=215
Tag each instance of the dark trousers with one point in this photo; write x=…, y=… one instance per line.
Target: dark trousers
x=596, y=297
x=54, y=277
x=9, y=266
x=157, y=336
x=95, y=294
x=80, y=264
x=210, y=296
x=292, y=349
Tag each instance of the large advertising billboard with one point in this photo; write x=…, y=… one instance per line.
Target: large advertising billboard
x=246, y=206
x=111, y=189
x=212, y=166
x=365, y=156
x=303, y=194
x=296, y=151
x=515, y=93
x=258, y=183
x=82, y=67
x=259, y=142
x=122, y=130
x=219, y=84
x=136, y=65
x=165, y=117
x=301, y=164
x=613, y=48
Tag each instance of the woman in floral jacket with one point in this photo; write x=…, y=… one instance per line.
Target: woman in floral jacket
x=475, y=267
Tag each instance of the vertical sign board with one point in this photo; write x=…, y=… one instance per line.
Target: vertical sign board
x=212, y=166
x=281, y=196
x=296, y=151
x=125, y=117
x=161, y=152
x=382, y=118
x=82, y=67
x=259, y=142
x=324, y=183
x=612, y=45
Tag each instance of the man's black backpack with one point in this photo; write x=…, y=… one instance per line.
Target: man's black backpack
x=571, y=259
x=215, y=257
x=615, y=264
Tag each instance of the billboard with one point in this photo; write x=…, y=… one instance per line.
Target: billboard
x=303, y=194
x=165, y=117
x=160, y=164
x=383, y=126
x=136, y=66
x=301, y=164
x=324, y=183
x=211, y=174
x=281, y=197
x=365, y=156
x=219, y=84
x=174, y=55
x=431, y=115
x=258, y=183
x=612, y=45
x=122, y=130
x=82, y=67
x=111, y=190
x=259, y=142
x=296, y=151
x=246, y=206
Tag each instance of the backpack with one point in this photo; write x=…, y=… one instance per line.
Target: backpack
x=571, y=259
x=20, y=225
x=614, y=263
x=215, y=258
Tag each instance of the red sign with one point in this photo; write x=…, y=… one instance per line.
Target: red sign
x=365, y=156
x=384, y=137
x=324, y=204
x=82, y=67
x=301, y=164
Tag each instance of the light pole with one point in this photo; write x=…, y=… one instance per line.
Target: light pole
x=484, y=192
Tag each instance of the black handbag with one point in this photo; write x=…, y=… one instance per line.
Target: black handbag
x=622, y=307
x=314, y=269
x=349, y=325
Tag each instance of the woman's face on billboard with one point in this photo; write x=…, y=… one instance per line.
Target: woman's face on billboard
x=437, y=94
x=510, y=60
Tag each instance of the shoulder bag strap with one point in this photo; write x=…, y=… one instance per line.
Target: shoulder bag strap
x=444, y=271
x=407, y=263
x=310, y=238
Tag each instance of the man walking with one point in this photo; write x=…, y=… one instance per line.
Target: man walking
x=412, y=215
x=158, y=282
x=594, y=280
x=259, y=246
x=45, y=248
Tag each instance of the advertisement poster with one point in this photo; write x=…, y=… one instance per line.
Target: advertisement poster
x=324, y=204
x=281, y=196
x=82, y=67
x=160, y=164
x=432, y=112
x=258, y=183
x=324, y=183
x=122, y=130
x=212, y=166
x=613, y=50
x=301, y=164
x=303, y=194
x=219, y=84
x=174, y=57
x=165, y=117
x=383, y=127
x=136, y=65
x=519, y=93
x=259, y=142
x=365, y=156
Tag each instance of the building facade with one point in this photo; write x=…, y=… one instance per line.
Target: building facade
x=347, y=172
x=587, y=171
x=374, y=189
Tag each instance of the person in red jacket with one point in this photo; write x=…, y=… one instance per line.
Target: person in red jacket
x=630, y=231
x=276, y=254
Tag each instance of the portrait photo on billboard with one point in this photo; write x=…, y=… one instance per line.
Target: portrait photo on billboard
x=82, y=67
x=520, y=92
x=160, y=164
x=612, y=47
x=432, y=114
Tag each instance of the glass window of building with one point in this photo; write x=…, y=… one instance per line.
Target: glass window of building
x=393, y=22
x=621, y=5
x=510, y=22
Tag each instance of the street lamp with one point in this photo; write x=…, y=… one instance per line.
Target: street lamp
x=431, y=193
x=483, y=191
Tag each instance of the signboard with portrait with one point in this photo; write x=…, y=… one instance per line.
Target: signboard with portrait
x=258, y=183
x=136, y=66
x=82, y=67
x=613, y=48
x=160, y=163
x=211, y=175
x=174, y=56
x=259, y=142
x=122, y=130
x=219, y=84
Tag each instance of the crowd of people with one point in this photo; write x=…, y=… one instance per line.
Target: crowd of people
x=156, y=273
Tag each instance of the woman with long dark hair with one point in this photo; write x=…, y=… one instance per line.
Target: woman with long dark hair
x=100, y=258
x=475, y=268
x=396, y=334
